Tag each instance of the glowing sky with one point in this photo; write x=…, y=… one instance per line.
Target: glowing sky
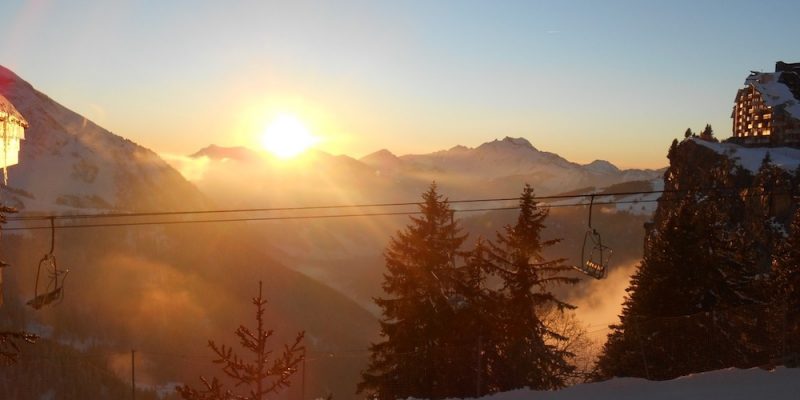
x=614, y=80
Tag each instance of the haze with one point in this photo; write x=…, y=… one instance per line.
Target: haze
x=586, y=80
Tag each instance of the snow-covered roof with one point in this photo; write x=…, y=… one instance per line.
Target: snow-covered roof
x=10, y=113
x=775, y=92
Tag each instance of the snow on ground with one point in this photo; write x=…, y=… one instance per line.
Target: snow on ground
x=728, y=384
x=750, y=157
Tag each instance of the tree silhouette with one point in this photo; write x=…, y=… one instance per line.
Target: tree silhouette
x=263, y=376
x=786, y=269
x=10, y=340
x=418, y=356
x=531, y=355
x=9, y=345
x=697, y=300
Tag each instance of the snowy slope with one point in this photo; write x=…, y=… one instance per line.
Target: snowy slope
x=729, y=384
x=498, y=158
x=221, y=153
x=384, y=161
x=68, y=162
x=499, y=168
x=509, y=161
x=750, y=157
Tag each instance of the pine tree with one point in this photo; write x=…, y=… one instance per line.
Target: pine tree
x=10, y=341
x=697, y=301
x=480, y=324
x=264, y=376
x=10, y=345
x=770, y=204
x=528, y=356
x=786, y=289
x=415, y=357
x=708, y=134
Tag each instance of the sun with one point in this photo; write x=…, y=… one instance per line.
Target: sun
x=287, y=137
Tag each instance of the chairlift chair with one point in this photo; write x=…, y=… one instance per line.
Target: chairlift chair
x=54, y=291
x=595, y=256
x=594, y=262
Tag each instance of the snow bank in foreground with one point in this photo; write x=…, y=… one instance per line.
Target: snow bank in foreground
x=728, y=384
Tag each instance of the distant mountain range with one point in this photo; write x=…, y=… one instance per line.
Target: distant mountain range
x=346, y=253
x=68, y=162
x=510, y=159
x=498, y=168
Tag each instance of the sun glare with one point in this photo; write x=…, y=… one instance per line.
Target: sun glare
x=287, y=137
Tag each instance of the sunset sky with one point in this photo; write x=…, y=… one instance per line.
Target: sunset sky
x=613, y=80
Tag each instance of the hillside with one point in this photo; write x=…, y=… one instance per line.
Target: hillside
x=716, y=286
x=157, y=289
x=68, y=162
x=169, y=290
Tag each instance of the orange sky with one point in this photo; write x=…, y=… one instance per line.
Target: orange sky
x=616, y=80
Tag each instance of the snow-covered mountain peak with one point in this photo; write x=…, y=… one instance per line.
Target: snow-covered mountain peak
x=219, y=153
x=381, y=156
x=518, y=142
x=602, y=166
x=508, y=144
x=513, y=161
x=458, y=148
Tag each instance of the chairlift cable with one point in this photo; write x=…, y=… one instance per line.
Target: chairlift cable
x=339, y=206
x=300, y=217
x=328, y=216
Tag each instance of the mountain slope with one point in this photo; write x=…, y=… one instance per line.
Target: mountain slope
x=165, y=289
x=497, y=168
x=68, y=161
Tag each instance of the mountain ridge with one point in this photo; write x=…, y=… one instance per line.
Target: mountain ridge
x=520, y=148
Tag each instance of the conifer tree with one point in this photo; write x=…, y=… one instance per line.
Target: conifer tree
x=264, y=375
x=696, y=302
x=708, y=134
x=10, y=345
x=528, y=357
x=416, y=356
x=786, y=302
x=480, y=324
x=10, y=340
x=770, y=206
